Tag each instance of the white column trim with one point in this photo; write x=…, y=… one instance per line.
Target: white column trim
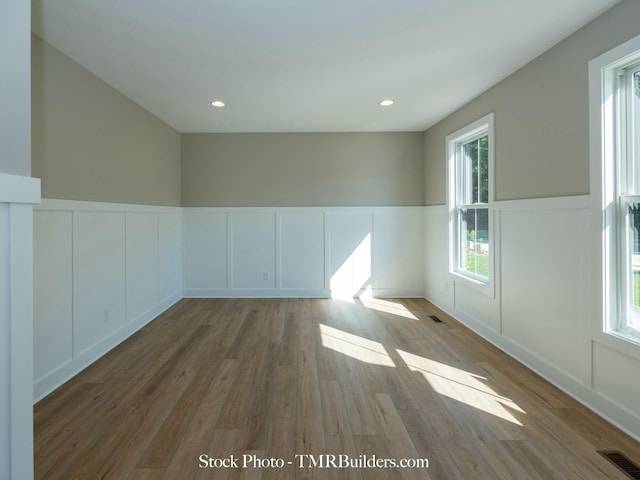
x=21, y=338
x=20, y=193
x=18, y=189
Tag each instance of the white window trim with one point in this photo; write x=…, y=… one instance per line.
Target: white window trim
x=604, y=191
x=484, y=124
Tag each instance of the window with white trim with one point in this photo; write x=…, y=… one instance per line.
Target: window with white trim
x=628, y=138
x=470, y=201
x=615, y=83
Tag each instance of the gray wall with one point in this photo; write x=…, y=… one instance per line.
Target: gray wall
x=542, y=117
x=15, y=105
x=302, y=169
x=92, y=143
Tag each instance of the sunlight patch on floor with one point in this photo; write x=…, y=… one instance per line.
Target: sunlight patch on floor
x=355, y=346
x=462, y=386
x=385, y=306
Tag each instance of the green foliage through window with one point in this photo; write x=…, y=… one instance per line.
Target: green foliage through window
x=476, y=163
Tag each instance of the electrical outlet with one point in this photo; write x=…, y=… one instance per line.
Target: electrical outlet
x=265, y=275
x=107, y=315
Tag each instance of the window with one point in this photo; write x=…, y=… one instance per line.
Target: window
x=615, y=132
x=628, y=139
x=470, y=153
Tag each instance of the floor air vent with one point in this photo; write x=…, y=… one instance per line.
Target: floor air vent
x=622, y=462
x=435, y=319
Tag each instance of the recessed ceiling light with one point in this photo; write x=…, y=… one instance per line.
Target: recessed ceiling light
x=386, y=103
x=217, y=103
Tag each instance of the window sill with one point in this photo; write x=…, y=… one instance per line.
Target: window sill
x=627, y=345
x=486, y=288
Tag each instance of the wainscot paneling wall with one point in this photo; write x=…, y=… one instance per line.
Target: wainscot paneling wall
x=101, y=272
x=303, y=252
x=541, y=313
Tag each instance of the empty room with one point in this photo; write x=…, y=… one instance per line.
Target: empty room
x=341, y=240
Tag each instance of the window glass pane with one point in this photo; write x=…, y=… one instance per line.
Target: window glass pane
x=474, y=241
x=475, y=171
x=633, y=304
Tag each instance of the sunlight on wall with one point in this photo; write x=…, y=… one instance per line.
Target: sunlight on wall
x=385, y=306
x=354, y=274
x=462, y=386
x=355, y=346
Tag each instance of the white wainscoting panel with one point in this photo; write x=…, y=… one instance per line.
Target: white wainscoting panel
x=142, y=263
x=302, y=265
x=438, y=285
x=398, y=251
x=350, y=252
x=543, y=289
x=101, y=272
x=616, y=376
x=472, y=303
x=254, y=250
x=170, y=278
x=52, y=313
x=99, y=266
x=205, y=251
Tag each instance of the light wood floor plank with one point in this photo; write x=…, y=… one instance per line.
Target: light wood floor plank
x=197, y=437
x=309, y=427
x=369, y=446
x=393, y=431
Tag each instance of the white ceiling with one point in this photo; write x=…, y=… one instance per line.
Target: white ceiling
x=306, y=65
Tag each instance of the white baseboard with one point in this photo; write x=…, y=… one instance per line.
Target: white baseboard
x=398, y=292
x=255, y=293
x=292, y=293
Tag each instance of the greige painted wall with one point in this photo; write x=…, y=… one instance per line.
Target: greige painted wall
x=92, y=143
x=302, y=169
x=542, y=117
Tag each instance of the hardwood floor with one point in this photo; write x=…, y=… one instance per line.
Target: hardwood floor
x=227, y=379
